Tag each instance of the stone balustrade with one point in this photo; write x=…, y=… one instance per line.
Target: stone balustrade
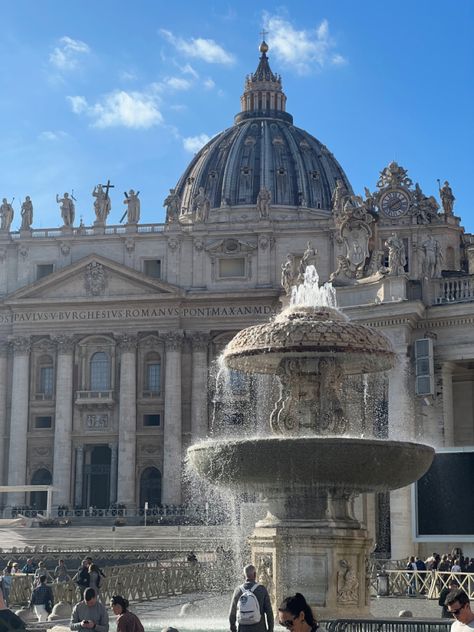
x=454, y=290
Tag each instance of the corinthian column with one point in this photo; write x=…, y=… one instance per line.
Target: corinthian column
x=3, y=405
x=172, y=457
x=447, y=369
x=127, y=420
x=79, y=475
x=199, y=385
x=62, y=461
x=19, y=418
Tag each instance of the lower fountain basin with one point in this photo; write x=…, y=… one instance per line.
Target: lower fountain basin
x=272, y=464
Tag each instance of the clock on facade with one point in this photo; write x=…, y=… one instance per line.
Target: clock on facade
x=394, y=203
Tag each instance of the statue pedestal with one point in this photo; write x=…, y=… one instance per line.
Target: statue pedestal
x=99, y=228
x=25, y=232
x=131, y=228
x=67, y=230
x=327, y=564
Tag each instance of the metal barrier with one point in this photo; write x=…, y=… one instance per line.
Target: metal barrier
x=143, y=581
x=387, y=625
x=428, y=583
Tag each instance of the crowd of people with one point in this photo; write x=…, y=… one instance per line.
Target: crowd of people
x=454, y=562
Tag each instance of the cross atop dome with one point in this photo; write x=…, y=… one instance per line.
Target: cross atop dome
x=263, y=93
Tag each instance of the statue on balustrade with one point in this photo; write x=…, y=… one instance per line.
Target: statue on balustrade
x=26, y=214
x=447, y=198
x=431, y=258
x=6, y=215
x=173, y=206
x=68, y=210
x=133, y=206
x=396, y=255
x=102, y=204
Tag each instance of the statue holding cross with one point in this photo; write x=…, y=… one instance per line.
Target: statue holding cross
x=102, y=204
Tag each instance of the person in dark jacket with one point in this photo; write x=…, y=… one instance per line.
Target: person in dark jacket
x=452, y=585
x=42, y=599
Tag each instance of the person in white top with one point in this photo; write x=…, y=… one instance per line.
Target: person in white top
x=458, y=605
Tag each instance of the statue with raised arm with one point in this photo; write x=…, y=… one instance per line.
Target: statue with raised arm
x=6, y=215
x=308, y=258
x=133, y=206
x=447, y=198
x=68, y=209
x=26, y=214
x=172, y=202
x=102, y=204
x=432, y=258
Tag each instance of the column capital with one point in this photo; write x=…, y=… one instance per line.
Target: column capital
x=64, y=344
x=21, y=345
x=199, y=340
x=127, y=342
x=173, y=340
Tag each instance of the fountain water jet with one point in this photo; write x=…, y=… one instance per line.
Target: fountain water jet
x=309, y=470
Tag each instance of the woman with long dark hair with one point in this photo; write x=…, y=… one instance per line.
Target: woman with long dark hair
x=295, y=614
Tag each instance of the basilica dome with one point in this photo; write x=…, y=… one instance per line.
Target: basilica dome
x=262, y=150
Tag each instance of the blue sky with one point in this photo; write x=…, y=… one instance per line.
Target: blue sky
x=93, y=90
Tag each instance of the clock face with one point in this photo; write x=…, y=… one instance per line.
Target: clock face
x=395, y=203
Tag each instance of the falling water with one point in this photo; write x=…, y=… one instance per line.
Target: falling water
x=310, y=294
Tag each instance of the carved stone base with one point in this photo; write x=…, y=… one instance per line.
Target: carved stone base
x=327, y=565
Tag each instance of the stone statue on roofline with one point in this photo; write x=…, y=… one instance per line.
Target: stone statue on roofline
x=172, y=202
x=396, y=255
x=201, y=206
x=6, y=215
x=133, y=206
x=102, y=204
x=447, y=198
x=68, y=209
x=26, y=214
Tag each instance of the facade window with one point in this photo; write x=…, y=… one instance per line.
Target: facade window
x=43, y=422
x=100, y=372
x=152, y=268
x=46, y=381
x=231, y=268
x=153, y=377
x=43, y=269
x=152, y=420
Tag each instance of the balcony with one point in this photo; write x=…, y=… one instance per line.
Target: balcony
x=454, y=290
x=94, y=398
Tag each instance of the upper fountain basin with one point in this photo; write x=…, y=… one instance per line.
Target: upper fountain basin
x=273, y=464
x=309, y=332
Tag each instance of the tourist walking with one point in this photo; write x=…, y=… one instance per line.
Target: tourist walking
x=61, y=573
x=126, y=620
x=7, y=581
x=295, y=614
x=94, y=578
x=458, y=605
x=250, y=608
x=42, y=599
x=82, y=577
x=89, y=613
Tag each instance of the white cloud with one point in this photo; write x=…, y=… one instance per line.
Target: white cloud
x=209, y=84
x=50, y=135
x=67, y=55
x=187, y=69
x=177, y=83
x=302, y=50
x=206, y=49
x=135, y=110
x=194, y=143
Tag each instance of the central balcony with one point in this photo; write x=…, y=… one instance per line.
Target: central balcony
x=95, y=398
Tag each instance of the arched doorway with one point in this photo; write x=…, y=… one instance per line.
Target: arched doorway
x=38, y=500
x=150, y=487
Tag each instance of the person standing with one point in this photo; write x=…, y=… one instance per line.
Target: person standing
x=458, y=605
x=452, y=585
x=251, y=601
x=126, y=620
x=42, y=599
x=82, y=577
x=60, y=572
x=90, y=614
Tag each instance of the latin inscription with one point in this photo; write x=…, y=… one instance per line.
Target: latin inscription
x=137, y=313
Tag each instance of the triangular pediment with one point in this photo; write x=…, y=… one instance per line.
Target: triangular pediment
x=94, y=277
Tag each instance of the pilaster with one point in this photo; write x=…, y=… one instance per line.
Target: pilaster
x=172, y=457
x=127, y=420
x=21, y=347
x=199, y=425
x=3, y=406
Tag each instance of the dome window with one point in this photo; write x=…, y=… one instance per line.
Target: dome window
x=245, y=171
x=281, y=171
x=314, y=175
x=212, y=175
x=189, y=181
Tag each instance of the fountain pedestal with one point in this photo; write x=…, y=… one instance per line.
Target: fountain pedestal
x=328, y=565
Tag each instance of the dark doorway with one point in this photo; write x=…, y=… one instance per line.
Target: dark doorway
x=150, y=487
x=98, y=477
x=38, y=500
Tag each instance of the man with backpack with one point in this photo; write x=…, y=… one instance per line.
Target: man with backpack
x=251, y=609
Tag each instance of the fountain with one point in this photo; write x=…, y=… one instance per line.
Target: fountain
x=312, y=465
